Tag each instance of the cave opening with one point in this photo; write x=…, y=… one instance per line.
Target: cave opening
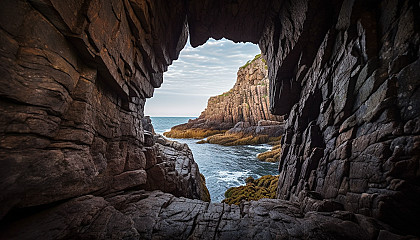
x=219, y=71
x=75, y=75
x=199, y=73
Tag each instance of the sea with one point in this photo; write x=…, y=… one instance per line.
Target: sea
x=222, y=166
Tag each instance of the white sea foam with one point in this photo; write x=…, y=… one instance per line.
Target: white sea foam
x=222, y=166
x=261, y=146
x=232, y=177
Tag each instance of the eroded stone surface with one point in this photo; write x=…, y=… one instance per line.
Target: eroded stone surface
x=175, y=171
x=344, y=74
x=74, y=76
x=158, y=215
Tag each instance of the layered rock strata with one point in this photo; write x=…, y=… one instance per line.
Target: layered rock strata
x=247, y=101
x=74, y=76
x=241, y=112
x=175, y=171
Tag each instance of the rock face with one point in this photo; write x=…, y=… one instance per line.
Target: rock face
x=243, y=109
x=74, y=76
x=247, y=101
x=347, y=75
x=175, y=171
x=158, y=215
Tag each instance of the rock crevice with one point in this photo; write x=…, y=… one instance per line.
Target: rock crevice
x=150, y=215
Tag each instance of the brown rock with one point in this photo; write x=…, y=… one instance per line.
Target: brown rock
x=74, y=77
x=175, y=171
x=242, y=110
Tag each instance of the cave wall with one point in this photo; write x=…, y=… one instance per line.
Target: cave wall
x=347, y=74
x=74, y=79
x=74, y=76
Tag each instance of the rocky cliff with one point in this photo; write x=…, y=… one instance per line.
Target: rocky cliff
x=347, y=75
x=74, y=78
x=76, y=161
x=246, y=103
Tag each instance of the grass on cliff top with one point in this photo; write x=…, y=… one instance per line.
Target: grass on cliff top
x=226, y=93
x=255, y=189
x=250, y=61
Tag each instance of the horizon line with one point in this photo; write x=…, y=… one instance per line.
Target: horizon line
x=171, y=116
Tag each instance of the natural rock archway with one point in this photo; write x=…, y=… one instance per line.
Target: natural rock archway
x=74, y=76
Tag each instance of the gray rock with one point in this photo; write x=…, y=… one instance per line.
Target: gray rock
x=158, y=215
x=175, y=170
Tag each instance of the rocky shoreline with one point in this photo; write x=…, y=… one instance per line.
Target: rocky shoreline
x=239, y=116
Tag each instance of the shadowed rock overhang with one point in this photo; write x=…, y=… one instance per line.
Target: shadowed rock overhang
x=74, y=77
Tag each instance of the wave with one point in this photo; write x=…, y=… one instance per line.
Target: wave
x=261, y=146
x=232, y=177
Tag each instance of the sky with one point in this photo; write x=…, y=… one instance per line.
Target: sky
x=198, y=74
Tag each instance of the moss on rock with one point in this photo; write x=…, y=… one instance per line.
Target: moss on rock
x=250, y=61
x=272, y=155
x=205, y=194
x=195, y=133
x=255, y=189
x=234, y=139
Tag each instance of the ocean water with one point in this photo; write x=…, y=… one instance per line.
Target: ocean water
x=223, y=166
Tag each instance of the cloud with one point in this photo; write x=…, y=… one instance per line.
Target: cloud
x=199, y=73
